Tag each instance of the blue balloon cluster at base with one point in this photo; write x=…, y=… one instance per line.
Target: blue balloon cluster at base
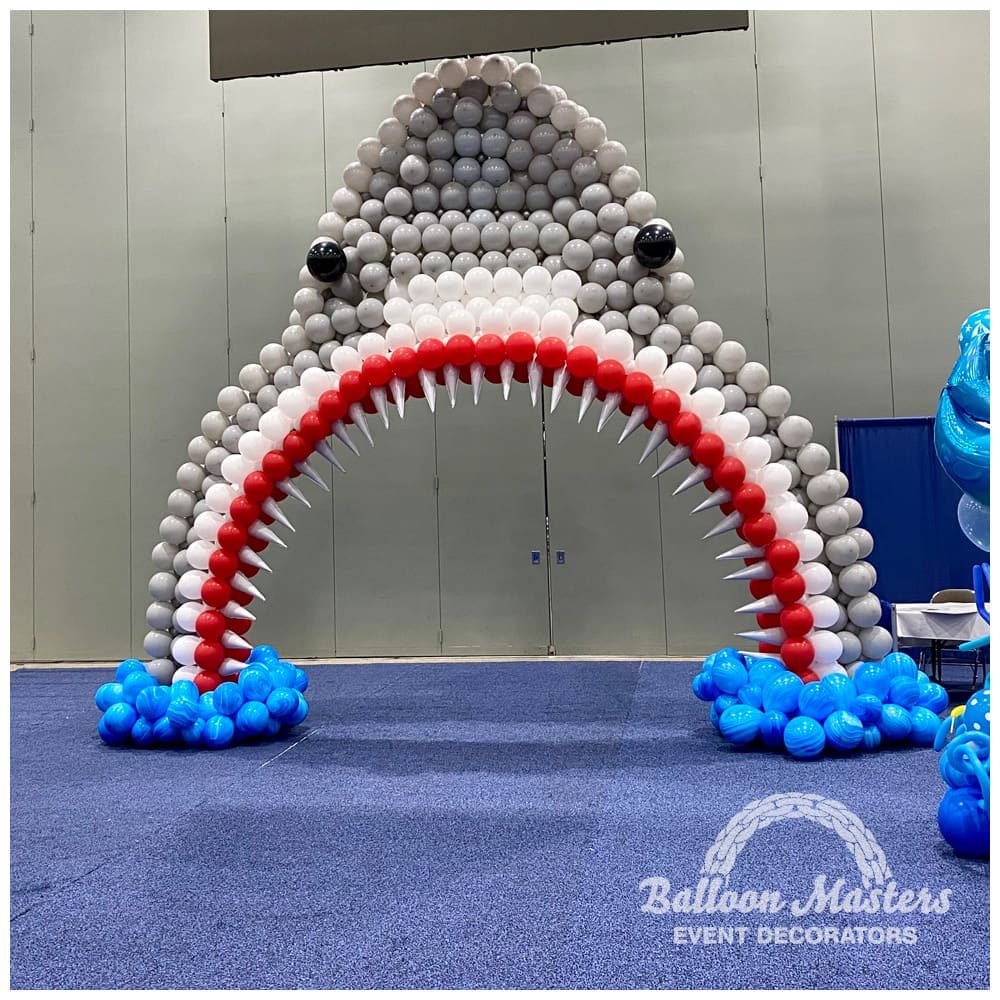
x=757, y=700
x=264, y=700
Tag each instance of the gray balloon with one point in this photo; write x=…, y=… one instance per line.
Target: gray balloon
x=563, y=209
x=510, y=197
x=506, y=98
x=612, y=319
x=464, y=262
x=423, y=122
x=435, y=263
x=565, y=153
x=620, y=295
x=592, y=297
x=441, y=145
x=832, y=519
x=474, y=87
x=852, y=647
x=380, y=185
x=161, y=670
x=198, y=448
x=595, y=196
x=876, y=643
x=159, y=615
x=630, y=270
x=865, y=611
x=180, y=503
x=442, y=103
x=553, y=263
x=825, y=488
x=248, y=417
x=285, y=378
x=267, y=398
x=866, y=543
x=856, y=579
x=181, y=564
x=602, y=271
x=625, y=239
x=854, y=511
x=404, y=266
x=544, y=138
x=519, y=154
x=190, y=476
x=157, y=643
x=390, y=158
x=468, y=142
x=611, y=218
x=585, y=171
x=521, y=123
x=560, y=184
x=293, y=339
x=553, y=238
x=272, y=357
x=468, y=111
x=482, y=195
x=231, y=439
x=521, y=259
x=162, y=584
x=163, y=556
x=493, y=260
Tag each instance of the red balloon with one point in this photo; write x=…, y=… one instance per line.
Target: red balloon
x=797, y=653
x=210, y=625
x=431, y=354
x=749, y=499
x=769, y=620
x=257, y=487
x=353, y=386
x=461, y=350
x=377, y=369
x=796, y=620
x=730, y=473
x=259, y=544
x=295, y=445
x=782, y=555
x=223, y=564
x=209, y=655
x=207, y=681
x=760, y=588
x=708, y=449
x=332, y=406
x=768, y=647
x=404, y=362
x=610, y=375
x=276, y=466
x=249, y=571
x=490, y=350
x=551, y=352
x=664, y=405
x=241, y=598
x=727, y=507
x=243, y=511
x=684, y=428
x=239, y=654
x=638, y=388
x=788, y=587
x=216, y=593
x=807, y=676
x=312, y=427
x=239, y=625
x=232, y=537
x=520, y=347
x=759, y=529
x=582, y=361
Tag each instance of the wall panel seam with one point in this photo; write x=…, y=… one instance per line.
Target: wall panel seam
x=128, y=326
x=760, y=181
x=31, y=189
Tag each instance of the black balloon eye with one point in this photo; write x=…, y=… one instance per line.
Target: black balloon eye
x=326, y=261
x=654, y=245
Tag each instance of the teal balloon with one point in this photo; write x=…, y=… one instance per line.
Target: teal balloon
x=136, y=681
x=206, y=705
x=868, y=708
x=152, y=702
x=256, y=683
x=872, y=678
x=301, y=681
x=192, y=734
x=934, y=697
x=728, y=674
x=751, y=694
x=282, y=673
x=107, y=695
x=282, y=703
x=251, y=719
x=301, y=711
x=724, y=701
x=184, y=689
x=817, y=701
x=842, y=688
x=844, y=731
x=900, y=665
x=964, y=822
x=120, y=718
x=127, y=667
x=782, y=693
x=111, y=737
x=740, y=724
x=976, y=717
x=804, y=737
x=872, y=738
x=761, y=671
x=164, y=731
x=925, y=725
x=772, y=728
x=904, y=691
x=142, y=732
x=713, y=715
x=272, y=728
x=703, y=687
x=974, y=520
x=182, y=712
x=228, y=698
x=894, y=723
x=263, y=654
x=218, y=732
x=922, y=679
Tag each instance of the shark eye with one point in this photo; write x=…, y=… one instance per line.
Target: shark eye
x=326, y=261
x=654, y=245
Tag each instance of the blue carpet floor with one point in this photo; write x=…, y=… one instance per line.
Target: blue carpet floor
x=453, y=825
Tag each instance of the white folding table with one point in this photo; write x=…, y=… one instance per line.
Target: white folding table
x=954, y=622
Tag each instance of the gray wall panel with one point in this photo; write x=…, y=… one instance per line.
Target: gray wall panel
x=177, y=264
x=275, y=186
x=822, y=215
x=81, y=326
x=492, y=515
x=22, y=609
x=935, y=180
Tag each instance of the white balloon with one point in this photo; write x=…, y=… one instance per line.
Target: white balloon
x=295, y=402
x=734, y=428
x=369, y=345
x=398, y=335
x=774, y=478
x=617, y=346
x=422, y=288
x=315, y=381
x=274, y=425
x=186, y=616
x=189, y=585
x=461, y=321
x=754, y=453
x=220, y=495
x=494, y=321
x=343, y=359
x=825, y=610
x=827, y=646
x=652, y=361
x=791, y=518
x=707, y=403
x=817, y=577
x=479, y=282
x=809, y=543
x=589, y=333
x=198, y=553
x=396, y=311
x=253, y=447
x=566, y=284
x=429, y=326
x=235, y=469
x=525, y=320
x=555, y=323
x=182, y=650
x=535, y=281
x=680, y=377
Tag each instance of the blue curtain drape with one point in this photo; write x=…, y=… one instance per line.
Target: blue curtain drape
x=909, y=507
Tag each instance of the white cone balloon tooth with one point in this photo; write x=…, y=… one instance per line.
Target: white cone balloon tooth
x=380, y=401
x=233, y=641
x=775, y=636
x=506, y=376
x=271, y=508
x=716, y=499
x=534, y=381
x=680, y=454
x=288, y=487
x=587, y=395
x=559, y=382
x=476, y=372
x=248, y=556
x=310, y=473
x=729, y=523
x=234, y=610
x=357, y=412
x=325, y=451
x=656, y=437
x=769, y=605
x=241, y=582
x=398, y=387
x=744, y=551
x=340, y=433
x=634, y=422
x=697, y=475
x=611, y=401
x=230, y=667
x=451, y=383
x=429, y=384
x=265, y=534
x=757, y=571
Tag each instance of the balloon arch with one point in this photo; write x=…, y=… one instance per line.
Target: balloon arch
x=490, y=232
